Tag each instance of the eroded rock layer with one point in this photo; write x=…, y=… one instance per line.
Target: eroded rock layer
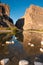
x=33, y=18
x=5, y=20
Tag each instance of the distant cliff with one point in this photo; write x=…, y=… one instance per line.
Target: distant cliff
x=33, y=18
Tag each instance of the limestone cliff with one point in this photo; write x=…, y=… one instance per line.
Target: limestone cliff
x=4, y=9
x=5, y=20
x=33, y=18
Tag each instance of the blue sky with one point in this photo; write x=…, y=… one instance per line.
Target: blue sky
x=18, y=7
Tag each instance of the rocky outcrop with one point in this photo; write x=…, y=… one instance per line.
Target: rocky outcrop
x=4, y=9
x=33, y=18
x=5, y=20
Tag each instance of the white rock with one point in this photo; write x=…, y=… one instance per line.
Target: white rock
x=23, y=62
x=4, y=61
x=41, y=49
x=9, y=42
x=15, y=38
x=32, y=45
x=29, y=43
x=38, y=63
x=12, y=42
x=41, y=42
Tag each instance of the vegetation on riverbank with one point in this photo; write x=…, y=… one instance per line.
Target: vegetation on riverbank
x=14, y=30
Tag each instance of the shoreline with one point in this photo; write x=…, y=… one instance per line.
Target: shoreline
x=5, y=31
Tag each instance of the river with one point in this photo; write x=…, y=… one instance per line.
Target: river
x=27, y=45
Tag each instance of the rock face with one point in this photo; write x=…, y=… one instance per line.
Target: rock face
x=5, y=20
x=4, y=9
x=20, y=23
x=33, y=18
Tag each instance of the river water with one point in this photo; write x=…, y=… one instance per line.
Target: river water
x=27, y=46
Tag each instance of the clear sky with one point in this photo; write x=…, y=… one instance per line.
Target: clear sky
x=18, y=7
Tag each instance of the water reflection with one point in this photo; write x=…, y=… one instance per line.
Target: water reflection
x=14, y=52
x=38, y=60
x=5, y=37
x=31, y=43
x=19, y=36
x=34, y=39
x=26, y=46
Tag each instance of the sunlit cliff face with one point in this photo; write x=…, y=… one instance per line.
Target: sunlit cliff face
x=4, y=9
x=5, y=20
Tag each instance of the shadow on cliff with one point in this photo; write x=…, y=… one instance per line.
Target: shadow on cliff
x=20, y=23
x=8, y=18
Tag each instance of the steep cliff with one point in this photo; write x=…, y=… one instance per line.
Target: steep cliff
x=33, y=18
x=4, y=9
x=5, y=20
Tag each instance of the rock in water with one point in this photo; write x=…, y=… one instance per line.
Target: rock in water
x=23, y=62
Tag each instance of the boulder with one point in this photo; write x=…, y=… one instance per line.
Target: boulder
x=23, y=62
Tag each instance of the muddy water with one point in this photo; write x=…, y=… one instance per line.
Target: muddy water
x=27, y=45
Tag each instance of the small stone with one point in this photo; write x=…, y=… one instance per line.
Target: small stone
x=4, y=61
x=9, y=42
x=29, y=43
x=3, y=44
x=12, y=42
x=15, y=38
x=32, y=45
x=41, y=49
x=41, y=42
x=23, y=62
x=38, y=63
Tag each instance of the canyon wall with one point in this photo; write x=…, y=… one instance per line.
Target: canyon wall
x=33, y=18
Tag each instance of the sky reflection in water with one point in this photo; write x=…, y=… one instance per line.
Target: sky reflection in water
x=21, y=49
